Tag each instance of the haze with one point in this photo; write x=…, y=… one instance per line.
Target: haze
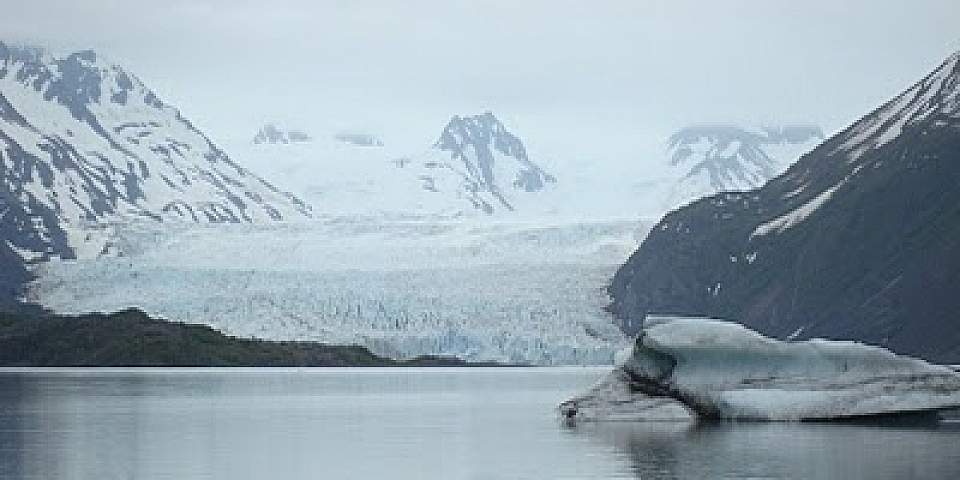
x=597, y=80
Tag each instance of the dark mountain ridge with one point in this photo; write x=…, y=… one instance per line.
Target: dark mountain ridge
x=860, y=239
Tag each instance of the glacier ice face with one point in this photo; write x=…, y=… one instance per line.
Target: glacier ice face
x=722, y=369
x=505, y=291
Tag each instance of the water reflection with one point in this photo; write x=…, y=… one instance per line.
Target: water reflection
x=408, y=423
x=317, y=423
x=899, y=448
x=76, y=425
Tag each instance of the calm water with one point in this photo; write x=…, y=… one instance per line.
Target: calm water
x=407, y=423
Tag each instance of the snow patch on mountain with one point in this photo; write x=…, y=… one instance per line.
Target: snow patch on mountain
x=799, y=214
x=937, y=93
x=719, y=158
x=490, y=163
x=476, y=168
x=84, y=143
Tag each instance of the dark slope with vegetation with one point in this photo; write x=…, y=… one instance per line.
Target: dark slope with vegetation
x=131, y=338
x=860, y=239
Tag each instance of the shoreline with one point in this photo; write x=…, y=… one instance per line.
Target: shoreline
x=132, y=339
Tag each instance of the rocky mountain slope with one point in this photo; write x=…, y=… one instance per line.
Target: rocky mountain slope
x=84, y=143
x=860, y=239
x=489, y=165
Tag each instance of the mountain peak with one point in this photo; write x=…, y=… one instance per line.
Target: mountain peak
x=88, y=143
x=270, y=133
x=935, y=99
x=480, y=130
x=86, y=56
x=76, y=80
x=493, y=161
x=725, y=157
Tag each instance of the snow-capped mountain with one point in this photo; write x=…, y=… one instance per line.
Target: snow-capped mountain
x=857, y=240
x=269, y=133
x=83, y=142
x=475, y=167
x=483, y=162
x=723, y=158
x=359, y=139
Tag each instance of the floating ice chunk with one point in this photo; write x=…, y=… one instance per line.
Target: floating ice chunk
x=615, y=399
x=722, y=369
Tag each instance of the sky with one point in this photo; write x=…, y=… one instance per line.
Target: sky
x=596, y=80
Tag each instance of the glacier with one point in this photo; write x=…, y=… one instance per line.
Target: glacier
x=508, y=291
x=685, y=368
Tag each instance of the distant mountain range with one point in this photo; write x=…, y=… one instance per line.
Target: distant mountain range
x=476, y=166
x=269, y=133
x=84, y=143
x=860, y=239
x=722, y=158
x=359, y=139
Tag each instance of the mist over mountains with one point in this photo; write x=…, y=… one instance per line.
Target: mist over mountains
x=95, y=165
x=721, y=158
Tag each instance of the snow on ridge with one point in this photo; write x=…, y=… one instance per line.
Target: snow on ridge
x=475, y=168
x=494, y=160
x=88, y=143
x=938, y=92
x=799, y=214
x=719, y=158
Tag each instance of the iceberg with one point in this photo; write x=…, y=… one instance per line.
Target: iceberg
x=686, y=368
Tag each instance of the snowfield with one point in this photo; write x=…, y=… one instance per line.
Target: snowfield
x=496, y=290
x=685, y=367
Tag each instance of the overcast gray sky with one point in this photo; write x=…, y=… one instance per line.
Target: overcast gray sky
x=606, y=78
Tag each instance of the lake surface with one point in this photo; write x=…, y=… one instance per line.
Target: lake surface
x=444, y=423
